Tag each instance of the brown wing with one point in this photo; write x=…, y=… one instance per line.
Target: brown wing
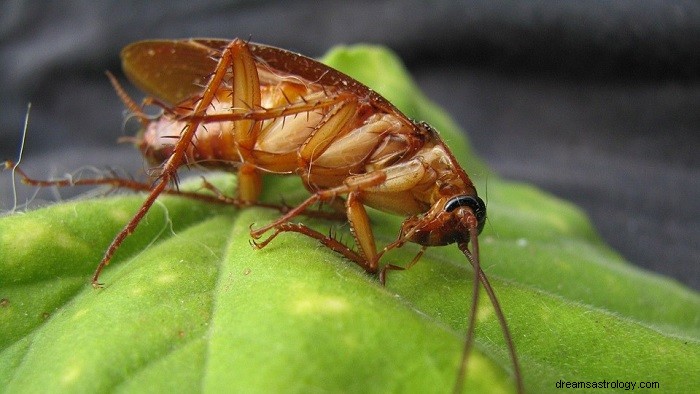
x=176, y=70
x=168, y=70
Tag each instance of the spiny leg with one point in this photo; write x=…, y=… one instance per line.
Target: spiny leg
x=177, y=158
x=245, y=97
x=259, y=114
x=114, y=182
x=216, y=196
x=357, y=217
x=402, y=179
x=325, y=240
x=325, y=195
x=367, y=258
x=334, y=125
x=282, y=207
x=392, y=267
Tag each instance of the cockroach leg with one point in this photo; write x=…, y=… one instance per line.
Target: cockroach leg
x=217, y=196
x=249, y=183
x=115, y=182
x=368, y=258
x=130, y=184
x=325, y=240
x=261, y=114
x=361, y=228
x=175, y=160
x=334, y=124
x=296, y=211
x=352, y=184
x=392, y=267
x=245, y=94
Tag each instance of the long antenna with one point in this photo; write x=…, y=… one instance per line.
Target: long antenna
x=506, y=331
x=19, y=157
x=469, y=336
x=479, y=273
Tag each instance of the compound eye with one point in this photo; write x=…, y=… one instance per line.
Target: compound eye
x=474, y=202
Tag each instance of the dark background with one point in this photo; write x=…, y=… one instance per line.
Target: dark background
x=597, y=102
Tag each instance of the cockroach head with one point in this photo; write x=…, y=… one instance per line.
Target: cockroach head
x=450, y=220
x=473, y=203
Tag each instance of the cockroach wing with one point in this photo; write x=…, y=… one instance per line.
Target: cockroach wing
x=174, y=71
x=171, y=71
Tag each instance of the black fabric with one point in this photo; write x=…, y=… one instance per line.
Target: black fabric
x=597, y=102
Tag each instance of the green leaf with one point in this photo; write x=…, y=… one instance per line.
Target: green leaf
x=190, y=306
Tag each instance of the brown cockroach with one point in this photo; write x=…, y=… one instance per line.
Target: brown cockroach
x=256, y=109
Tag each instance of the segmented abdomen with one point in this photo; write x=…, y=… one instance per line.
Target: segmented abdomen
x=357, y=138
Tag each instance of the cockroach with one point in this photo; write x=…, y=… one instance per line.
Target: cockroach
x=255, y=109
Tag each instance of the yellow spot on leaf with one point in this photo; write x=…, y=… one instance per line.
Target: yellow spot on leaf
x=136, y=290
x=80, y=313
x=120, y=215
x=166, y=278
x=320, y=304
x=72, y=373
x=68, y=242
x=26, y=240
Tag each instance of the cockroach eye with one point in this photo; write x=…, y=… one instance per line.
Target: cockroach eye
x=474, y=202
